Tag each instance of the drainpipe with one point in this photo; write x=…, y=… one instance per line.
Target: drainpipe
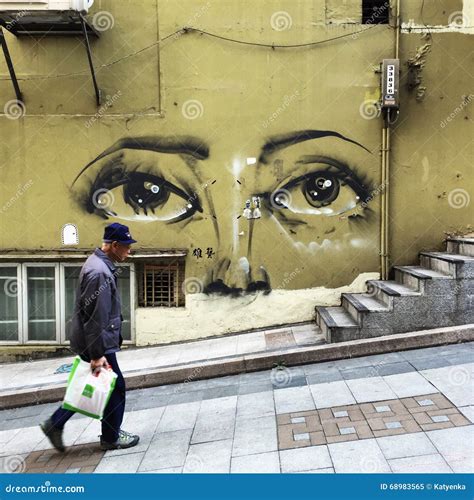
x=383, y=214
x=385, y=167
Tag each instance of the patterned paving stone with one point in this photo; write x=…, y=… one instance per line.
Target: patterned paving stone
x=388, y=408
x=391, y=417
x=348, y=413
x=432, y=420
x=295, y=435
x=82, y=458
x=419, y=404
x=390, y=426
x=346, y=431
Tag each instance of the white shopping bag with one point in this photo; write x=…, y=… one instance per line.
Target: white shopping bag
x=88, y=392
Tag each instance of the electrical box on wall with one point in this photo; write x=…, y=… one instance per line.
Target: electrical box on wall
x=390, y=83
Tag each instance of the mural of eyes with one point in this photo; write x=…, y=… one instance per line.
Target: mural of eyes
x=332, y=189
x=132, y=195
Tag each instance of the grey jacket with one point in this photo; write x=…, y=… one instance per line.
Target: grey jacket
x=97, y=319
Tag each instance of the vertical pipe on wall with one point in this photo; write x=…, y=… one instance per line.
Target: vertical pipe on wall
x=385, y=167
x=158, y=56
x=397, y=31
x=383, y=195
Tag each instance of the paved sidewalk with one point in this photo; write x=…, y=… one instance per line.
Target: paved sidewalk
x=411, y=411
x=28, y=375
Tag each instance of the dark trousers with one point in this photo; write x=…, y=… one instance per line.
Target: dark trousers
x=113, y=414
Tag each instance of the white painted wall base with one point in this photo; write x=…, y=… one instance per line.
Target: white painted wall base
x=206, y=316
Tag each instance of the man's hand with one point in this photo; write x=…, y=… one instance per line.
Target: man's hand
x=97, y=363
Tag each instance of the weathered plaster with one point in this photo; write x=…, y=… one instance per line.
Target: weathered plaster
x=206, y=316
x=415, y=69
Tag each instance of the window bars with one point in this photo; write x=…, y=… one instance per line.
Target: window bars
x=161, y=284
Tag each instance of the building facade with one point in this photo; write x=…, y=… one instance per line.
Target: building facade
x=241, y=142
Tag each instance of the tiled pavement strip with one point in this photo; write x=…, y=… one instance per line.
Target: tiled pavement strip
x=35, y=374
x=410, y=411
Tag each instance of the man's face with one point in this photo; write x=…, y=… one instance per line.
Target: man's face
x=120, y=251
x=286, y=205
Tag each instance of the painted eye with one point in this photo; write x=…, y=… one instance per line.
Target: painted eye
x=322, y=189
x=143, y=194
x=323, y=192
x=140, y=196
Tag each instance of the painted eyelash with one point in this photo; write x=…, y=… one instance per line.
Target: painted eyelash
x=360, y=184
x=121, y=177
x=344, y=172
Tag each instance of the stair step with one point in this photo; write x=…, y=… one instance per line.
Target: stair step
x=460, y=246
x=394, y=289
x=364, y=302
x=457, y=265
x=448, y=257
x=461, y=239
x=337, y=317
x=422, y=272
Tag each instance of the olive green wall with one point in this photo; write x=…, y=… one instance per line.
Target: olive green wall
x=232, y=99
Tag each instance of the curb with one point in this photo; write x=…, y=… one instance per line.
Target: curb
x=234, y=365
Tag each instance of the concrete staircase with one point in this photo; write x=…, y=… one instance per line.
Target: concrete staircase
x=438, y=293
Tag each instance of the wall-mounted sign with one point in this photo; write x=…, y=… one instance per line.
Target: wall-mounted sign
x=390, y=83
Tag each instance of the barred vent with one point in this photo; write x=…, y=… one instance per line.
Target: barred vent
x=161, y=284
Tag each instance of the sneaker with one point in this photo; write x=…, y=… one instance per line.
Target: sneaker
x=125, y=440
x=54, y=434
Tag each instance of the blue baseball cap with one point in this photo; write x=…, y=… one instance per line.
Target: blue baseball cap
x=118, y=232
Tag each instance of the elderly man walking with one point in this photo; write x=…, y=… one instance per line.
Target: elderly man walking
x=96, y=337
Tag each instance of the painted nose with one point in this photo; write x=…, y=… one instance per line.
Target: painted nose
x=235, y=271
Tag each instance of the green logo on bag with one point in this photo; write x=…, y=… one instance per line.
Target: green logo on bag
x=88, y=391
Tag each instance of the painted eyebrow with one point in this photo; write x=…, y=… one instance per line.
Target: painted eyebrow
x=277, y=142
x=192, y=146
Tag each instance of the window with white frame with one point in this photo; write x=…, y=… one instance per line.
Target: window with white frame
x=71, y=282
x=40, y=298
x=37, y=301
x=9, y=304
